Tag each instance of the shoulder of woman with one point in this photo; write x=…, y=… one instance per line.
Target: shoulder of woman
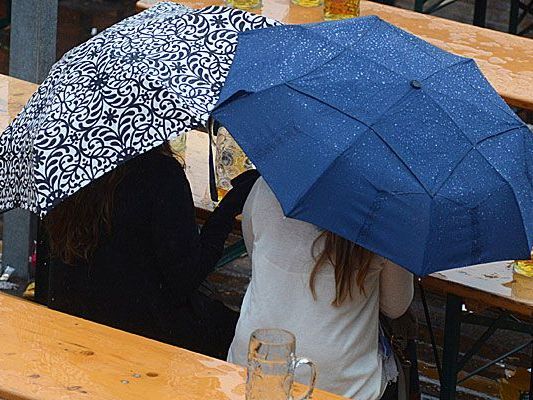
x=159, y=167
x=381, y=262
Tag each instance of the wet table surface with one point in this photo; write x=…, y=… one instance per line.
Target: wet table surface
x=487, y=285
x=46, y=355
x=14, y=94
x=506, y=60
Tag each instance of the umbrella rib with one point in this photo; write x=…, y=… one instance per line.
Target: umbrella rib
x=512, y=190
x=325, y=38
x=399, y=33
x=343, y=49
x=450, y=117
x=370, y=128
x=402, y=161
x=463, y=61
x=499, y=106
x=464, y=135
x=328, y=168
x=348, y=148
x=354, y=47
x=428, y=239
x=500, y=134
x=459, y=162
x=308, y=29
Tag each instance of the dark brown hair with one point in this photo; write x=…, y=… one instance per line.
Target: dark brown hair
x=349, y=261
x=74, y=227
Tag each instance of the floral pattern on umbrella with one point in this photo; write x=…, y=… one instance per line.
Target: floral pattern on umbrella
x=142, y=81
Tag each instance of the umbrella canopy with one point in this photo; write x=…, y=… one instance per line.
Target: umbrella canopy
x=367, y=131
x=145, y=80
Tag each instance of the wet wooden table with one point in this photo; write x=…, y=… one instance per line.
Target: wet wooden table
x=47, y=355
x=487, y=286
x=469, y=292
x=506, y=60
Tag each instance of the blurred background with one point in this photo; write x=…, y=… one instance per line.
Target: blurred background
x=78, y=20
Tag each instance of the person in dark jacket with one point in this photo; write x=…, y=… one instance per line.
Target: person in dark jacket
x=126, y=252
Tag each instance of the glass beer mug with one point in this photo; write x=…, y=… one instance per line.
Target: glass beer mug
x=271, y=366
x=524, y=267
x=230, y=161
x=179, y=146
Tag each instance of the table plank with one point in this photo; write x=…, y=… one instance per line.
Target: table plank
x=506, y=60
x=46, y=355
x=490, y=285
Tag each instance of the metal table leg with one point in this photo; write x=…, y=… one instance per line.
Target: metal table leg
x=531, y=375
x=419, y=5
x=452, y=333
x=480, y=13
x=513, y=16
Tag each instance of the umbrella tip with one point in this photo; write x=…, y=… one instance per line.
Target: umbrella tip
x=416, y=84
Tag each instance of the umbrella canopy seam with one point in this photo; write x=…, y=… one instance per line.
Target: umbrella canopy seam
x=342, y=50
x=370, y=127
x=513, y=192
x=463, y=60
x=502, y=106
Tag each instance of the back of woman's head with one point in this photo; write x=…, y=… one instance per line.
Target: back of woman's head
x=76, y=226
x=350, y=262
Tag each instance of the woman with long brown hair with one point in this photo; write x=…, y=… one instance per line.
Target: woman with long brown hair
x=125, y=251
x=326, y=290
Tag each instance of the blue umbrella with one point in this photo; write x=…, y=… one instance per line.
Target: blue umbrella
x=367, y=131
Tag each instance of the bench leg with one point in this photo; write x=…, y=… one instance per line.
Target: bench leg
x=452, y=333
x=480, y=13
x=419, y=5
x=513, y=16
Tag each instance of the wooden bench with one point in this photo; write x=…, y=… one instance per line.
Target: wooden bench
x=47, y=355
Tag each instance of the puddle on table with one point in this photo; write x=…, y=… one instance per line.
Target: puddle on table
x=233, y=382
x=213, y=379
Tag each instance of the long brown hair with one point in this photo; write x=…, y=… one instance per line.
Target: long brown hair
x=349, y=261
x=75, y=226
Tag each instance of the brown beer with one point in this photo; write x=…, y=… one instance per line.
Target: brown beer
x=308, y=3
x=341, y=9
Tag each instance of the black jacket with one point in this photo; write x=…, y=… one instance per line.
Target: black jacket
x=144, y=276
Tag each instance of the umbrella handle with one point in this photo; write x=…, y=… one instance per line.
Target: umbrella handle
x=212, y=125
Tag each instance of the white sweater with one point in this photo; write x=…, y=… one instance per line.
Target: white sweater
x=342, y=341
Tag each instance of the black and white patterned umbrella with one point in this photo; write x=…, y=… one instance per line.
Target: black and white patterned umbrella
x=145, y=80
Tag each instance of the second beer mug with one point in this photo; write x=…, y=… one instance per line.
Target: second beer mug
x=308, y=3
x=341, y=9
x=230, y=161
x=244, y=4
x=271, y=366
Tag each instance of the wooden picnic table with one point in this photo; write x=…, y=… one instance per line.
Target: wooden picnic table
x=486, y=286
x=47, y=355
x=506, y=60
x=469, y=292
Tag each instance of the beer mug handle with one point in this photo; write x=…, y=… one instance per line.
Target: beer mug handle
x=304, y=361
